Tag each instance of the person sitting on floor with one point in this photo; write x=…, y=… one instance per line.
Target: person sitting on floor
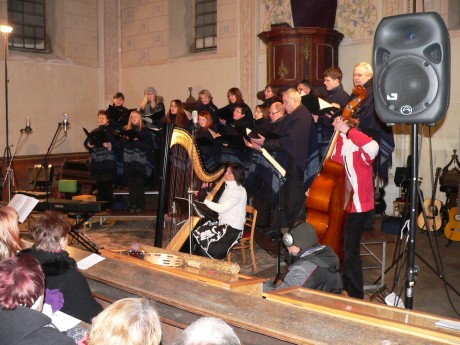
x=50, y=242
x=315, y=266
x=22, y=288
x=129, y=321
x=208, y=331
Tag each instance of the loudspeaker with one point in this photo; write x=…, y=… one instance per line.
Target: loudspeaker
x=412, y=68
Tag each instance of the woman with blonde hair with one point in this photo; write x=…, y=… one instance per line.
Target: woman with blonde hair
x=205, y=103
x=137, y=160
x=152, y=108
x=10, y=243
x=129, y=321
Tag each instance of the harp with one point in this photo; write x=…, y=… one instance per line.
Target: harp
x=182, y=170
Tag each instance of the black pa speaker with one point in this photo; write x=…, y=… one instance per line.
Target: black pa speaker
x=412, y=68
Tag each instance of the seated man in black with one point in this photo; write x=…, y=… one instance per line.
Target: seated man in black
x=314, y=266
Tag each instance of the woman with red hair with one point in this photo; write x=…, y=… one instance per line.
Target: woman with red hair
x=205, y=140
x=22, y=288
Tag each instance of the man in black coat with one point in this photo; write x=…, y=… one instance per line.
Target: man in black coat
x=338, y=98
x=296, y=139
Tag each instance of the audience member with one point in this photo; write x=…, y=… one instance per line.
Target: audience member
x=22, y=290
x=50, y=242
x=208, y=331
x=104, y=148
x=129, y=321
x=313, y=266
x=137, y=160
x=10, y=243
x=216, y=238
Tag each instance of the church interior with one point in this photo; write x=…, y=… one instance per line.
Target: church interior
x=58, y=79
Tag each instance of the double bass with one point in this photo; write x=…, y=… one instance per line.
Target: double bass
x=326, y=198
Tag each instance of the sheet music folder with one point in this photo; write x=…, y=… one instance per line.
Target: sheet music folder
x=129, y=134
x=97, y=137
x=270, y=159
x=199, y=208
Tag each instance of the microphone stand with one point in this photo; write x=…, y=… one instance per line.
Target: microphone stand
x=45, y=162
x=9, y=175
x=280, y=235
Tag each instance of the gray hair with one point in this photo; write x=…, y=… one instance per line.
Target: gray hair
x=367, y=67
x=150, y=89
x=208, y=331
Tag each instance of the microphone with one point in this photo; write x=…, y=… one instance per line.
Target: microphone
x=27, y=129
x=65, y=123
x=195, y=118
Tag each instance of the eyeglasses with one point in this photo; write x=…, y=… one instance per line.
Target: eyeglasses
x=237, y=111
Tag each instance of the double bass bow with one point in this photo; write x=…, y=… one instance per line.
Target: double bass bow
x=326, y=198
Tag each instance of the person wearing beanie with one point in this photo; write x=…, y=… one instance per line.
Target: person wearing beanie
x=314, y=266
x=152, y=108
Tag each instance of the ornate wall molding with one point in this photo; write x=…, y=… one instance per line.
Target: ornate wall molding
x=357, y=19
x=274, y=12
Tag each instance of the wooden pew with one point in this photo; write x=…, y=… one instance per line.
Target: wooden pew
x=281, y=318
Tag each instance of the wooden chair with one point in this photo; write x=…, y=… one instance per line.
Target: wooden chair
x=247, y=241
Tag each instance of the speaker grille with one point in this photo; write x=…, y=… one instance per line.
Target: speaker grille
x=407, y=85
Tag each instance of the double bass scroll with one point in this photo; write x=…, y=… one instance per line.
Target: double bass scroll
x=326, y=198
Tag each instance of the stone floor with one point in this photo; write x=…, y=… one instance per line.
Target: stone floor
x=430, y=293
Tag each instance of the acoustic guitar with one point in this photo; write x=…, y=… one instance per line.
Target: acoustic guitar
x=452, y=229
x=432, y=208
